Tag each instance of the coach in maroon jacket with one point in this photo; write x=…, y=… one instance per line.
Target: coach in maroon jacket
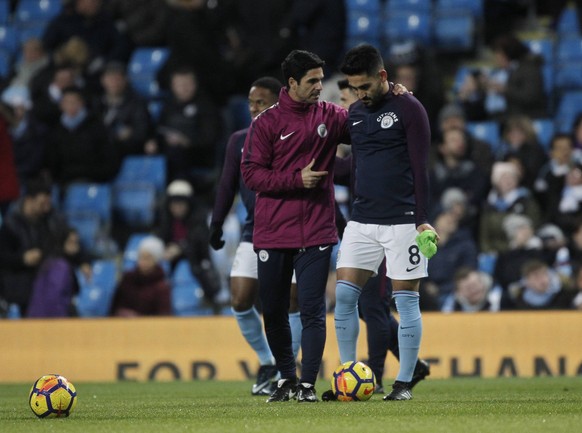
x=288, y=160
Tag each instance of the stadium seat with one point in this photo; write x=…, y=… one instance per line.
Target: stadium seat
x=4, y=12
x=369, y=6
x=96, y=294
x=155, y=109
x=568, y=24
x=9, y=39
x=545, y=131
x=568, y=76
x=5, y=62
x=88, y=225
x=569, y=49
x=238, y=112
x=454, y=32
x=403, y=26
x=474, y=7
x=187, y=294
x=144, y=64
x=134, y=203
x=139, y=169
x=37, y=10
x=569, y=106
x=130, y=250
x=89, y=197
x=363, y=25
x=409, y=6
x=486, y=262
x=487, y=131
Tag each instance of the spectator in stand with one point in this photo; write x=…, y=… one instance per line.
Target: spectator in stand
x=577, y=283
x=520, y=144
x=9, y=185
x=472, y=94
x=552, y=176
x=30, y=233
x=524, y=246
x=88, y=21
x=196, y=38
x=524, y=89
x=143, y=21
x=575, y=245
x=456, y=249
x=184, y=230
x=33, y=60
x=144, y=290
x=28, y=135
x=80, y=149
x=189, y=132
x=124, y=113
x=540, y=288
x=451, y=168
x=412, y=66
x=451, y=116
x=570, y=203
x=506, y=197
x=473, y=293
x=454, y=200
x=555, y=250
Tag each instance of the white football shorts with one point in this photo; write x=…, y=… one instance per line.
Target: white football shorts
x=364, y=246
x=245, y=263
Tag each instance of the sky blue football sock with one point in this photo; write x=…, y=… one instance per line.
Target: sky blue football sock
x=409, y=332
x=347, y=322
x=296, y=329
x=251, y=327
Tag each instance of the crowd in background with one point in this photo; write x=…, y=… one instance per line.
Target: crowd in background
x=509, y=211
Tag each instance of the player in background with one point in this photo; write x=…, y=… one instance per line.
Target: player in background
x=374, y=301
x=390, y=139
x=263, y=93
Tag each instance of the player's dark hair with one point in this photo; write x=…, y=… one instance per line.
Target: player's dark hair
x=343, y=84
x=363, y=59
x=297, y=63
x=270, y=83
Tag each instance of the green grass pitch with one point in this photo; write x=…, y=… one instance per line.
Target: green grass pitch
x=547, y=405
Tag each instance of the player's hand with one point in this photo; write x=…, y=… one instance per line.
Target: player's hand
x=311, y=178
x=400, y=89
x=427, y=240
x=216, y=241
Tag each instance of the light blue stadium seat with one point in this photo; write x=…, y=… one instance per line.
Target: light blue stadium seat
x=454, y=32
x=9, y=39
x=473, y=7
x=37, y=10
x=130, y=250
x=363, y=25
x=88, y=225
x=89, y=197
x=155, y=109
x=542, y=47
x=4, y=12
x=187, y=293
x=403, y=26
x=96, y=295
x=569, y=49
x=569, y=106
x=567, y=24
x=137, y=169
x=486, y=262
x=369, y=6
x=135, y=203
x=545, y=131
x=409, y=6
x=5, y=62
x=568, y=75
x=144, y=64
x=487, y=131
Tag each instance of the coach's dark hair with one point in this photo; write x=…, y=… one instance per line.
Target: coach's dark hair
x=297, y=63
x=270, y=83
x=363, y=59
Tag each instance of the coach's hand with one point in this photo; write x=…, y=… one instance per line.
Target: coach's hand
x=311, y=178
x=216, y=241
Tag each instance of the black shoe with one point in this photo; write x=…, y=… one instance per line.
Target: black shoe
x=328, y=396
x=285, y=391
x=378, y=389
x=265, y=377
x=306, y=393
x=400, y=391
x=421, y=370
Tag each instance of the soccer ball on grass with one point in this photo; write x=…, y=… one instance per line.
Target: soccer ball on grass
x=52, y=396
x=353, y=381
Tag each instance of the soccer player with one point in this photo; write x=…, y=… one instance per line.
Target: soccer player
x=263, y=93
x=288, y=160
x=374, y=303
x=390, y=141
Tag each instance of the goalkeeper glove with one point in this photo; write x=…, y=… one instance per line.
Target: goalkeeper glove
x=427, y=243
